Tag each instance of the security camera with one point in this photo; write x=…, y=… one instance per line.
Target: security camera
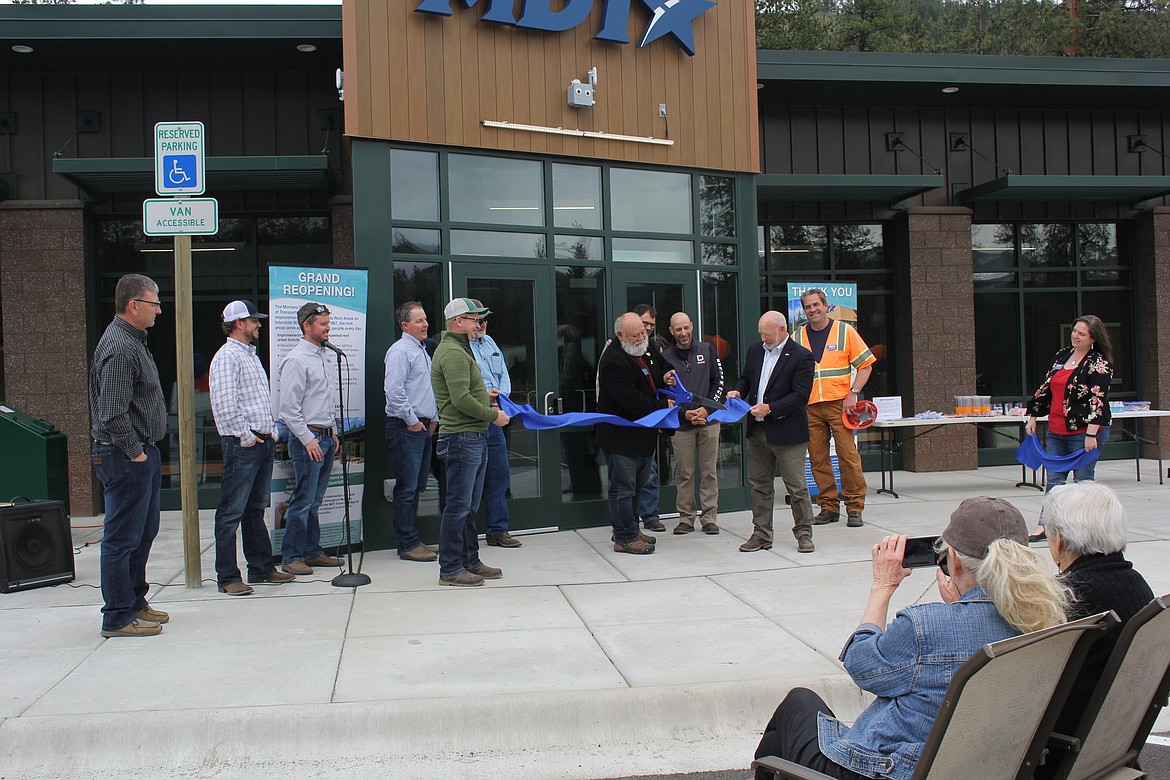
x=339, y=80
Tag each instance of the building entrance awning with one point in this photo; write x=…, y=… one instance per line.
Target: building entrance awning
x=103, y=175
x=1101, y=189
x=843, y=187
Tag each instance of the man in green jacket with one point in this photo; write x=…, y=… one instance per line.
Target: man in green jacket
x=464, y=415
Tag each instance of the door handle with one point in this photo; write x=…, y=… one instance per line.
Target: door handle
x=548, y=407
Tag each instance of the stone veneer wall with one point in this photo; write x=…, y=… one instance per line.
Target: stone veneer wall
x=1151, y=248
x=937, y=324
x=45, y=309
x=342, y=221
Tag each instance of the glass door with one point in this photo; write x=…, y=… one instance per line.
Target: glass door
x=522, y=327
x=669, y=292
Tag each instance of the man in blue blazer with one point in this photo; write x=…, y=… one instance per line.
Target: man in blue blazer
x=776, y=381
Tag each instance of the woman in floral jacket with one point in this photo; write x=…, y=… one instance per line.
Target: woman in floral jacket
x=1075, y=396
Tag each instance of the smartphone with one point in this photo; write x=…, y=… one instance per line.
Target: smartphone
x=920, y=552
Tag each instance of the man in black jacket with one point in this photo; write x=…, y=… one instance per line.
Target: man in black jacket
x=628, y=379
x=777, y=380
x=696, y=440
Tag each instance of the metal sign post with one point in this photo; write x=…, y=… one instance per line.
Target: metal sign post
x=179, y=170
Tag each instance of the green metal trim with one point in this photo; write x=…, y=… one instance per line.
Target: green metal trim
x=960, y=69
x=844, y=187
x=1099, y=189
x=155, y=22
x=102, y=175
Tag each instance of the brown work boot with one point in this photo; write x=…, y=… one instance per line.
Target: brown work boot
x=826, y=517
x=634, y=547
x=710, y=528
x=463, y=579
x=683, y=528
x=236, y=588
x=153, y=615
x=854, y=520
x=420, y=553
x=324, y=560
x=487, y=572
x=503, y=540
x=274, y=577
x=805, y=545
x=647, y=538
x=654, y=525
x=135, y=628
x=755, y=544
x=297, y=567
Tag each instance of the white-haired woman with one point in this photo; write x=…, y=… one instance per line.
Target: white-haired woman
x=1087, y=537
x=993, y=587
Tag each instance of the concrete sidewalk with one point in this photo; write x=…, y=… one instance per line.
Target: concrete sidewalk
x=580, y=663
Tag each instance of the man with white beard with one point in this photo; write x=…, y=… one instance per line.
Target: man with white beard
x=628, y=379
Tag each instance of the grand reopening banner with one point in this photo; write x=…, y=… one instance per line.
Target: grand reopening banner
x=344, y=291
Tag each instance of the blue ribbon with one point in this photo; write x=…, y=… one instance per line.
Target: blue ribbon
x=659, y=418
x=1033, y=455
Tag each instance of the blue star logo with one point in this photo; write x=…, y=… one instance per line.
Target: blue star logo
x=674, y=18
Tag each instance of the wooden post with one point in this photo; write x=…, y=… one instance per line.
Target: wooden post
x=185, y=364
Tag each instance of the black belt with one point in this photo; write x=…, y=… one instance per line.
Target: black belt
x=261, y=436
x=321, y=429
x=426, y=421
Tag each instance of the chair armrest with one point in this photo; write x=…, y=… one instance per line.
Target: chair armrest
x=786, y=770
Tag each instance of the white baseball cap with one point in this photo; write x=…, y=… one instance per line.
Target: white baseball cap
x=241, y=310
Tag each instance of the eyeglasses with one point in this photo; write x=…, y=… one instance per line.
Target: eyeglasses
x=944, y=562
x=156, y=304
x=476, y=320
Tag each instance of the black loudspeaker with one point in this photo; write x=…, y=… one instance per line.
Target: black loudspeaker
x=36, y=546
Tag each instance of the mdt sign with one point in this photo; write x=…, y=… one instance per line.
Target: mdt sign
x=668, y=17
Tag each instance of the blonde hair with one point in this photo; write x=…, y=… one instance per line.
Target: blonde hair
x=1026, y=594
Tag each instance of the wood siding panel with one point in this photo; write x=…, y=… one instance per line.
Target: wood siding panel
x=429, y=79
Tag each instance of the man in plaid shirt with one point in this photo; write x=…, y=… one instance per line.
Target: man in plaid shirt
x=242, y=407
x=129, y=416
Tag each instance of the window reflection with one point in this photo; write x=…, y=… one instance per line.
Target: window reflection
x=416, y=241
x=576, y=196
x=719, y=254
x=650, y=201
x=638, y=250
x=414, y=185
x=578, y=248
x=717, y=206
x=493, y=243
x=495, y=190
x=798, y=248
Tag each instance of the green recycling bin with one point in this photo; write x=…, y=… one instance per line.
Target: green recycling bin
x=34, y=459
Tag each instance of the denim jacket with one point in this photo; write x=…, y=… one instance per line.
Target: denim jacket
x=908, y=667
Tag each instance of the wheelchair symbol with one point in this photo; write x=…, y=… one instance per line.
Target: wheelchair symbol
x=177, y=175
x=180, y=171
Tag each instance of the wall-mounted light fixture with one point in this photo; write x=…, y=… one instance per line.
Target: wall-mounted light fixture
x=582, y=95
x=961, y=142
x=895, y=143
x=1137, y=145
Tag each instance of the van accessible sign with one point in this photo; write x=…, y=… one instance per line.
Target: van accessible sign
x=668, y=17
x=180, y=216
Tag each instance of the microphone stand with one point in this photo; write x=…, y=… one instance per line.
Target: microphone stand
x=350, y=578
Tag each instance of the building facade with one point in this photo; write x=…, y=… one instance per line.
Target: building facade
x=979, y=203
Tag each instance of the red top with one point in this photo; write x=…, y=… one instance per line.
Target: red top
x=1058, y=383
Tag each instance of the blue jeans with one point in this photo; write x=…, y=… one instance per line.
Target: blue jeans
x=648, y=493
x=243, y=496
x=132, y=516
x=465, y=456
x=628, y=477
x=302, y=528
x=496, y=481
x=1067, y=444
x=411, y=452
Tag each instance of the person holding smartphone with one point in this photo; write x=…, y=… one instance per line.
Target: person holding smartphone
x=992, y=586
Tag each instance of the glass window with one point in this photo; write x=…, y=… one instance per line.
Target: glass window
x=798, y=248
x=493, y=243
x=422, y=282
x=717, y=206
x=414, y=185
x=417, y=241
x=582, y=329
x=650, y=201
x=495, y=190
x=720, y=329
x=578, y=248
x=719, y=254
x=858, y=247
x=639, y=250
x=292, y=240
x=1097, y=245
x=576, y=196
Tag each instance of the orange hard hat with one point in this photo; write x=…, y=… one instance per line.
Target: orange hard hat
x=862, y=416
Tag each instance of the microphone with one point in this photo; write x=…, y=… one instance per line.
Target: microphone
x=327, y=345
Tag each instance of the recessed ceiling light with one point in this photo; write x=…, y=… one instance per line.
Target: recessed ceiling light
x=306, y=47
x=950, y=90
x=759, y=85
x=20, y=48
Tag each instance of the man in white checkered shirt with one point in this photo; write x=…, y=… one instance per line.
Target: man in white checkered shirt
x=242, y=406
